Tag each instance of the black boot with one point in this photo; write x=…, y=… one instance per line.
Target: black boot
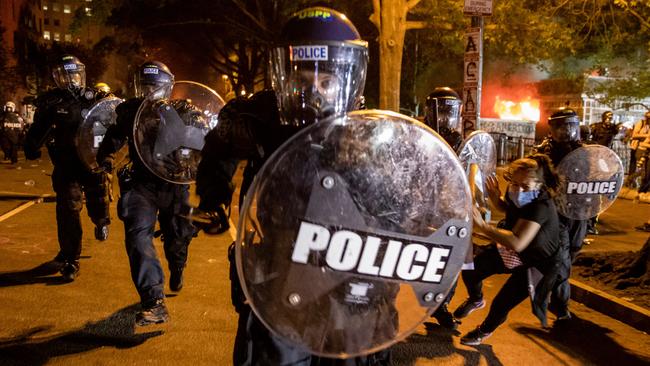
x=70, y=271
x=176, y=279
x=445, y=318
x=101, y=232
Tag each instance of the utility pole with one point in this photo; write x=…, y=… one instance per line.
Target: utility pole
x=473, y=70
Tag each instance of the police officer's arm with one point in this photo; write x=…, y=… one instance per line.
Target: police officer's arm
x=117, y=135
x=235, y=138
x=42, y=126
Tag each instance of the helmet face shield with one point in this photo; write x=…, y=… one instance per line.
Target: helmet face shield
x=316, y=81
x=69, y=76
x=565, y=130
x=443, y=113
x=152, y=81
x=10, y=107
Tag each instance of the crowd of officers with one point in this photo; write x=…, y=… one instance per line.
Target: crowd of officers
x=533, y=234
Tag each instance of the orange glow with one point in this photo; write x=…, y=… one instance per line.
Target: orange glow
x=524, y=110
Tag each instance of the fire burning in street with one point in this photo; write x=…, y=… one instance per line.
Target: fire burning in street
x=524, y=110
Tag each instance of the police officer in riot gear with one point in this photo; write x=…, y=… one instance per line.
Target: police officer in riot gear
x=564, y=137
x=442, y=113
x=145, y=197
x=318, y=71
x=11, y=131
x=603, y=132
x=59, y=113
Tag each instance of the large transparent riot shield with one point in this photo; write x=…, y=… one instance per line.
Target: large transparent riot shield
x=93, y=128
x=353, y=233
x=591, y=178
x=478, y=156
x=169, y=134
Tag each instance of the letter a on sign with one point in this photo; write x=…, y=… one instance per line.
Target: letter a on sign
x=471, y=44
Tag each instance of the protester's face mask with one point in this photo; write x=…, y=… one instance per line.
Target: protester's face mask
x=523, y=188
x=521, y=198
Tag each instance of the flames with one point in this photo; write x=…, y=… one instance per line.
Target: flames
x=524, y=110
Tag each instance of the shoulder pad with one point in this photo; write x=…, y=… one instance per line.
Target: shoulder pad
x=50, y=98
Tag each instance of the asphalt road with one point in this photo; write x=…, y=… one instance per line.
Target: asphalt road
x=90, y=321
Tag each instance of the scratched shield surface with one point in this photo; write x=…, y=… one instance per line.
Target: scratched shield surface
x=590, y=179
x=93, y=128
x=169, y=134
x=479, y=148
x=353, y=233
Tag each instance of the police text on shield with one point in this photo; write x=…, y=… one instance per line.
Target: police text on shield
x=347, y=252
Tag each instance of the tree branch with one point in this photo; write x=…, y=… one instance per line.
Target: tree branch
x=243, y=9
x=375, y=17
x=410, y=4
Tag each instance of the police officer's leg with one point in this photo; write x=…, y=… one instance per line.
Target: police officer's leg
x=68, y=207
x=137, y=208
x=264, y=348
x=13, y=152
x=177, y=232
x=98, y=203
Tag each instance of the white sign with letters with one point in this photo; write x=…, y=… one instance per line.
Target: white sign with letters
x=478, y=7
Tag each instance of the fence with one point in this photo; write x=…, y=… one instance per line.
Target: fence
x=511, y=148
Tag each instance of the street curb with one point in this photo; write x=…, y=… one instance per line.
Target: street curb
x=6, y=195
x=611, y=306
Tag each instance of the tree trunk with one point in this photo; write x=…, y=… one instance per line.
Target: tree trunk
x=390, y=19
x=391, y=40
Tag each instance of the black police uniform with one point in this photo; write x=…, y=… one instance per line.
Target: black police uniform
x=56, y=121
x=603, y=133
x=250, y=128
x=11, y=132
x=572, y=232
x=144, y=198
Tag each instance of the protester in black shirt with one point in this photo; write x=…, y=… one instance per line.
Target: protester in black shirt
x=529, y=238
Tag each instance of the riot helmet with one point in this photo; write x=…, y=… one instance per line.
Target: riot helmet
x=319, y=68
x=153, y=80
x=564, y=125
x=10, y=107
x=69, y=73
x=607, y=117
x=442, y=109
x=103, y=87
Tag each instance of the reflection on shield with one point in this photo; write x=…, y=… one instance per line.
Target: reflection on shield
x=93, y=128
x=591, y=178
x=353, y=233
x=479, y=149
x=169, y=134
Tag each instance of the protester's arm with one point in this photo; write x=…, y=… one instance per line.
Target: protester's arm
x=518, y=239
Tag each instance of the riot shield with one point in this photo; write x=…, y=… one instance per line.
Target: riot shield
x=591, y=177
x=169, y=134
x=480, y=150
x=93, y=128
x=353, y=233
